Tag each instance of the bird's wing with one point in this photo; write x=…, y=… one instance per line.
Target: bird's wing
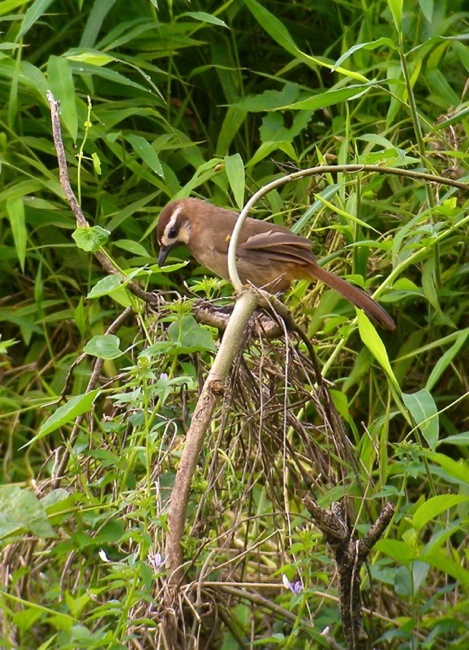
x=278, y=246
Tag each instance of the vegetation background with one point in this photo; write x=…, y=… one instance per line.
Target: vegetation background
x=163, y=99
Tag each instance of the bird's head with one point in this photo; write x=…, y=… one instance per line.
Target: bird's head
x=174, y=227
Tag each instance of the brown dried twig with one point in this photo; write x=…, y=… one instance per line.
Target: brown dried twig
x=102, y=258
x=349, y=553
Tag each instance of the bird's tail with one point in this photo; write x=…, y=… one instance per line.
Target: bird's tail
x=355, y=295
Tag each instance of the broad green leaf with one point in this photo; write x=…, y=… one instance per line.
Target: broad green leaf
x=32, y=15
x=435, y=506
x=106, y=286
x=61, y=83
x=455, y=470
x=423, y=410
x=131, y=247
x=20, y=510
x=234, y=168
x=15, y=211
x=375, y=345
x=459, y=440
x=104, y=346
x=146, y=152
x=90, y=239
x=448, y=566
x=66, y=413
x=397, y=549
x=190, y=336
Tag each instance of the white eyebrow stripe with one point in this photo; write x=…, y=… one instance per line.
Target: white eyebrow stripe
x=174, y=218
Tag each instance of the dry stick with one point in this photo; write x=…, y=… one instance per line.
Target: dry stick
x=102, y=258
x=212, y=390
x=322, y=169
x=349, y=553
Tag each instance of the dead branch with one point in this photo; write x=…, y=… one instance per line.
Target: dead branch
x=349, y=554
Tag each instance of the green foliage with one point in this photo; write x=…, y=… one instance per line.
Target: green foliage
x=165, y=99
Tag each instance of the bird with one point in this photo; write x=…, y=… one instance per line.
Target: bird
x=267, y=255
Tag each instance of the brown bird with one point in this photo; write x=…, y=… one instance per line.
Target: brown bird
x=267, y=255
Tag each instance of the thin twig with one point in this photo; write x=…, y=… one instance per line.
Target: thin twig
x=323, y=169
x=102, y=258
x=349, y=554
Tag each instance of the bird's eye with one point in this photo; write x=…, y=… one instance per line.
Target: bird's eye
x=173, y=232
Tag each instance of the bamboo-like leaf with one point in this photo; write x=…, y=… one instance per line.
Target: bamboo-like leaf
x=234, y=168
x=424, y=412
x=32, y=15
x=60, y=77
x=15, y=211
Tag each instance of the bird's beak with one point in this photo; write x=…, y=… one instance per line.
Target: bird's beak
x=163, y=254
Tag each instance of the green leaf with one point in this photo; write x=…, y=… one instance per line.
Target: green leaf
x=96, y=163
x=32, y=15
x=234, y=168
x=445, y=360
x=190, y=336
x=66, y=413
x=203, y=17
x=90, y=239
x=387, y=43
x=438, y=83
x=146, y=153
x=131, y=246
x=106, y=286
x=234, y=118
x=20, y=510
x=427, y=9
x=397, y=549
x=448, y=566
x=93, y=57
x=423, y=410
x=428, y=284
x=375, y=345
x=104, y=346
x=6, y=6
x=95, y=20
x=279, y=33
x=15, y=211
x=272, y=25
x=396, y=10
x=287, y=98
x=455, y=470
x=59, y=73
x=435, y=506
x=459, y=439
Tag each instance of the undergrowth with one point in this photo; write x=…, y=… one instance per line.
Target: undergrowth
x=161, y=100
